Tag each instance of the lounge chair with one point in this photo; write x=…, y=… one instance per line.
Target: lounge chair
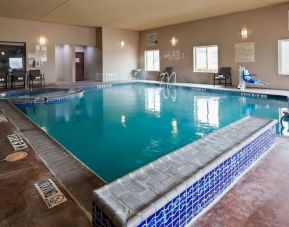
x=224, y=76
x=3, y=79
x=36, y=76
x=18, y=78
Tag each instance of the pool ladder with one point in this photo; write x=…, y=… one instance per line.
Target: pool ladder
x=168, y=77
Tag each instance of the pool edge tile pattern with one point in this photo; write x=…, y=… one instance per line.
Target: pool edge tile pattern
x=77, y=179
x=177, y=188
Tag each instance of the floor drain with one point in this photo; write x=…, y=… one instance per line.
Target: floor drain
x=16, y=156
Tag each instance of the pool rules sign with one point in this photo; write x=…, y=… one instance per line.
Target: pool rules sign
x=50, y=193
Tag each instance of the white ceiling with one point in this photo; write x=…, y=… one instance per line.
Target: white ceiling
x=127, y=14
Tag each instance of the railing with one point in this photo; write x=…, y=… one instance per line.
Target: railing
x=168, y=77
x=105, y=77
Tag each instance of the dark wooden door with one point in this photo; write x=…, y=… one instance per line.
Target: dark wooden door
x=79, y=66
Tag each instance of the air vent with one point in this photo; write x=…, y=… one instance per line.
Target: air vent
x=152, y=39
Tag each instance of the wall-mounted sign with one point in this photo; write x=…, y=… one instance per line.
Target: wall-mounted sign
x=245, y=52
x=174, y=55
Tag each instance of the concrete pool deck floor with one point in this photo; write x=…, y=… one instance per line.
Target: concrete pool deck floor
x=21, y=205
x=260, y=198
x=75, y=180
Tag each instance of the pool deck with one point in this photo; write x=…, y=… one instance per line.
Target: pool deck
x=21, y=205
x=259, y=199
x=260, y=90
x=74, y=178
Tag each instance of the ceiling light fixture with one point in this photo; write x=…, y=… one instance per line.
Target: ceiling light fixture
x=121, y=43
x=2, y=53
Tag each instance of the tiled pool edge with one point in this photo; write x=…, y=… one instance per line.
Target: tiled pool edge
x=235, y=181
x=46, y=145
x=178, y=206
x=76, y=93
x=194, y=87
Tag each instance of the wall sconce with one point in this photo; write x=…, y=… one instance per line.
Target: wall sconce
x=42, y=41
x=244, y=33
x=121, y=43
x=174, y=41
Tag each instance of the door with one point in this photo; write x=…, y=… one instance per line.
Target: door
x=79, y=66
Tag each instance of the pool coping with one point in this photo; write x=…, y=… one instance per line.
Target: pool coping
x=253, y=92
x=111, y=208
x=12, y=96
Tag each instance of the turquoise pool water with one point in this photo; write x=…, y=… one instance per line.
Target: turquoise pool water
x=119, y=129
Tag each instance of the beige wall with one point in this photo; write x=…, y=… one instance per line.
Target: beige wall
x=117, y=59
x=29, y=32
x=91, y=56
x=64, y=63
x=266, y=26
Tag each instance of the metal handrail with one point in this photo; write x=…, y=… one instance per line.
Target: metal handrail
x=166, y=75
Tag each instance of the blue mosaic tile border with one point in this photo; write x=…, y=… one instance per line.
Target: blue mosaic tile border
x=31, y=101
x=195, y=199
x=63, y=98
x=209, y=90
x=212, y=90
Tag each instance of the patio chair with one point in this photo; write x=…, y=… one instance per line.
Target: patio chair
x=36, y=78
x=3, y=79
x=224, y=76
x=18, y=78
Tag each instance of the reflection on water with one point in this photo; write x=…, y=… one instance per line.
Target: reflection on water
x=207, y=110
x=170, y=92
x=118, y=129
x=152, y=100
x=174, y=128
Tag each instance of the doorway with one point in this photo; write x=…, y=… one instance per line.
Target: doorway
x=79, y=66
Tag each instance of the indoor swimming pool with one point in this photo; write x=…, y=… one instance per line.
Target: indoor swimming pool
x=115, y=130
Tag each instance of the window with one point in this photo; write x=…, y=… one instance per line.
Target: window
x=12, y=56
x=283, y=57
x=152, y=60
x=206, y=59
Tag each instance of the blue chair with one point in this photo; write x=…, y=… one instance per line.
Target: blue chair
x=250, y=78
